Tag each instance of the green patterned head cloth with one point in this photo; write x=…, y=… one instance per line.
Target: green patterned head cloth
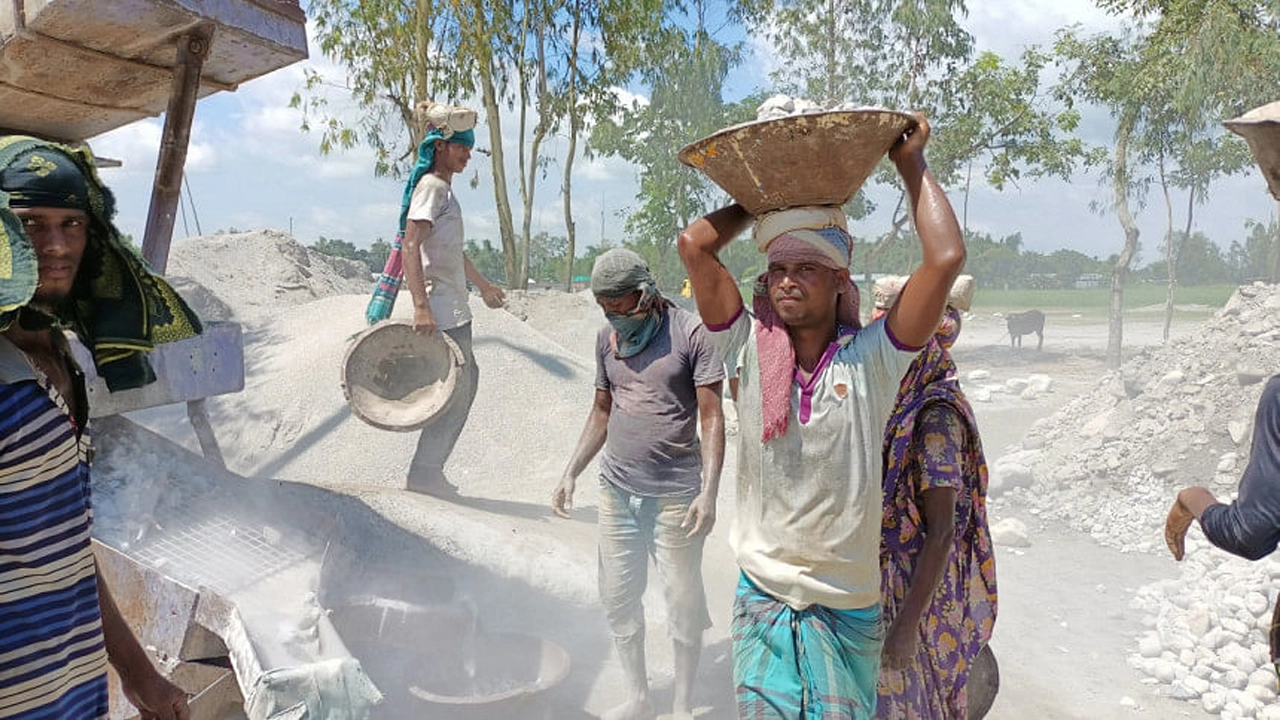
x=119, y=308
x=45, y=177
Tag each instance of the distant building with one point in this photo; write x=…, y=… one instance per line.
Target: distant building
x=1090, y=280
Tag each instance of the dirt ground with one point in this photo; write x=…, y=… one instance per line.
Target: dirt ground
x=1064, y=629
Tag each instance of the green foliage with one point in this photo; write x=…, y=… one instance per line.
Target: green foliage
x=375, y=257
x=396, y=54
x=486, y=258
x=988, y=115
x=1256, y=258
x=685, y=103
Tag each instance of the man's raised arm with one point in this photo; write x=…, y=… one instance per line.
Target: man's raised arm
x=714, y=289
x=915, y=317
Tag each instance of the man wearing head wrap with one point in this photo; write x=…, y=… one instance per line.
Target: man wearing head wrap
x=815, y=392
x=437, y=270
x=64, y=267
x=657, y=380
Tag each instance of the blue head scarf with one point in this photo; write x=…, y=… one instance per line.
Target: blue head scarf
x=427, y=156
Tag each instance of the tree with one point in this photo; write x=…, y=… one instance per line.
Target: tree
x=487, y=259
x=917, y=55
x=1192, y=63
x=1255, y=258
x=685, y=103
x=397, y=54
x=379, y=251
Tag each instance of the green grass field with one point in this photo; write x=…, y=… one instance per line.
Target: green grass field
x=1189, y=302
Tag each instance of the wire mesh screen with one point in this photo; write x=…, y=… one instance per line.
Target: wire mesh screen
x=217, y=552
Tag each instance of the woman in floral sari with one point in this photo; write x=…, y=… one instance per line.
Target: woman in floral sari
x=939, y=588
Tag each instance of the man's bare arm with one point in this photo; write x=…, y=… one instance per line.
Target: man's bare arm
x=714, y=289
x=415, y=231
x=914, y=318
x=594, y=434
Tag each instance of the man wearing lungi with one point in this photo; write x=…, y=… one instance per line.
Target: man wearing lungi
x=816, y=390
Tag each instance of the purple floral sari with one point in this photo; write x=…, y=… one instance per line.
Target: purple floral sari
x=932, y=441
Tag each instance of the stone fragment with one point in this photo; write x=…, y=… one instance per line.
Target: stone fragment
x=1011, y=532
x=1149, y=646
x=1227, y=462
x=1238, y=430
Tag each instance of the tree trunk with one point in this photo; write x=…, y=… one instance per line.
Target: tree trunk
x=1170, y=257
x=569, y=226
x=1120, y=186
x=1177, y=254
x=502, y=201
x=526, y=188
x=1275, y=249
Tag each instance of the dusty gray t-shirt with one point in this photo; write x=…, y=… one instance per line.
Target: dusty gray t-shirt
x=652, y=448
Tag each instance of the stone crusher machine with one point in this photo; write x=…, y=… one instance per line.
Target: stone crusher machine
x=74, y=69
x=258, y=600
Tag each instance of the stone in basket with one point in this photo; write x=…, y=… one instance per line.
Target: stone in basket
x=809, y=159
x=1260, y=127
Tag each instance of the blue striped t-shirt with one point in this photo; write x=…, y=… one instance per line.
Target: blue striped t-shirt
x=52, y=657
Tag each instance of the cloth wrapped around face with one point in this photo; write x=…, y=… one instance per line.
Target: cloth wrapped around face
x=621, y=272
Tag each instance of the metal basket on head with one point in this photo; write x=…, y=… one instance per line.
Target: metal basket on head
x=1260, y=127
x=396, y=379
x=808, y=159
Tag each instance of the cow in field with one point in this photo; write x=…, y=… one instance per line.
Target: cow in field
x=1025, y=323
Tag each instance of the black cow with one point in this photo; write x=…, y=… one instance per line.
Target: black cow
x=1025, y=323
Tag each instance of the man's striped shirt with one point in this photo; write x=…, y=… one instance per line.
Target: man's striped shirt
x=52, y=657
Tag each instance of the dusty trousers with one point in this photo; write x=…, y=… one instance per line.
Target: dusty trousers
x=438, y=439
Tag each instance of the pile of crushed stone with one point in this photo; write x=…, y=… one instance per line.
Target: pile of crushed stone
x=1110, y=462
x=244, y=276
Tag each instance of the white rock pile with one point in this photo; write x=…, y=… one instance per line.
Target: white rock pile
x=783, y=105
x=1110, y=463
x=1110, y=460
x=980, y=388
x=1207, y=633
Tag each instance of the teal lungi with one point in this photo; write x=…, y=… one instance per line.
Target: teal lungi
x=811, y=664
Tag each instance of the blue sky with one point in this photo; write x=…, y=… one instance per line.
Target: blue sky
x=250, y=167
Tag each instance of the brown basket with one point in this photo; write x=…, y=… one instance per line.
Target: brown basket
x=396, y=379
x=1260, y=127
x=809, y=159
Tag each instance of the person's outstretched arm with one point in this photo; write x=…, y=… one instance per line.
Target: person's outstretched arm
x=1249, y=526
x=913, y=320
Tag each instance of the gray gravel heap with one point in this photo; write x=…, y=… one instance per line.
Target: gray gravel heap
x=1109, y=461
x=1109, y=464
